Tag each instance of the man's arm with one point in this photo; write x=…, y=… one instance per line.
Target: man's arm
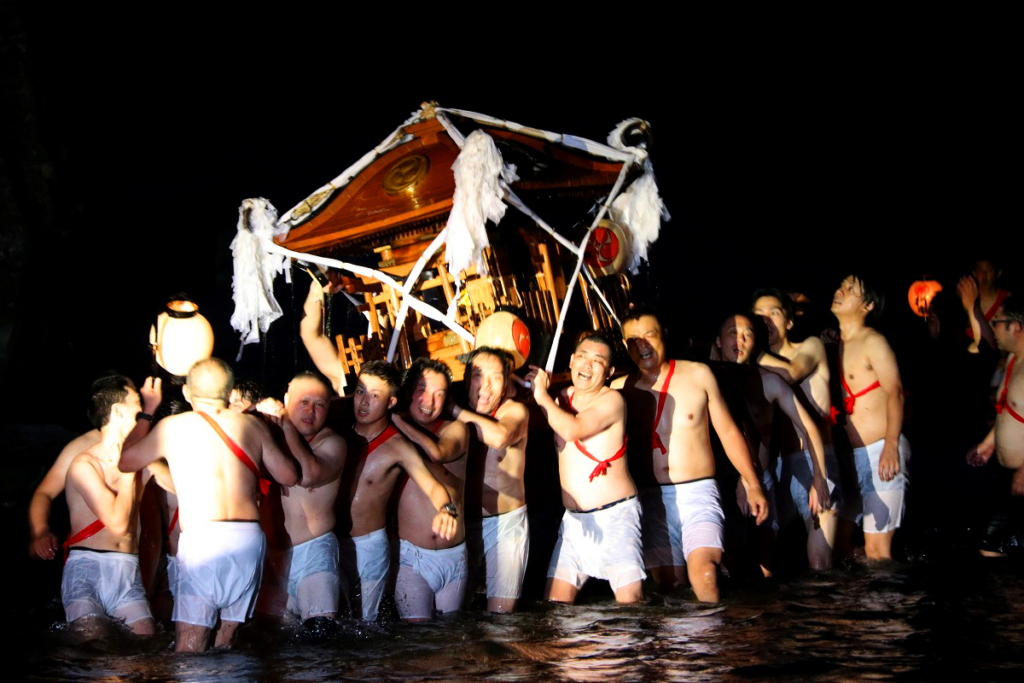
x=734, y=444
x=43, y=544
x=883, y=360
x=283, y=467
x=980, y=454
x=152, y=394
x=145, y=451
x=321, y=349
x=796, y=369
x=444, y=524
x=448, y=446
x=785, y=398
x=604, y=412
x=113, y=510
x=501, y=433
x=320, y=465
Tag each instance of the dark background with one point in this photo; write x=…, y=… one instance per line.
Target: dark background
x=785, y=158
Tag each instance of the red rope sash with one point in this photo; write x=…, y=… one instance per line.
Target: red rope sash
x=602, y=465
x=370, y=447
x=85, y=533
x=174, y=521
x=851, y=400
x=1000, y=298
x=655, y=437
x=238, y=453
x=437, y=425
x=1002, y=404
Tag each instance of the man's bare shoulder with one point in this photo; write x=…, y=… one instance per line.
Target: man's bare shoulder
x=812, y=347
x=85, y=464
x=694, y=371
x=619, y=383
x=612, y=398
x=328, y=439
x=875, y=342
x=512, y=409
x=454, y=429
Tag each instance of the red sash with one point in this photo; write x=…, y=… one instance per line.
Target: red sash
x=174, y=521
x=372, y=445
x=85, y=533
x=850, y=400
x=437, y=425
x=602, y=465
x=1002, y=404
x=656, y=441
x=238, y=453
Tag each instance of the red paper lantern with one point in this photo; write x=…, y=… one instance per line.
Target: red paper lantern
x=505, y=331
x=921, y=294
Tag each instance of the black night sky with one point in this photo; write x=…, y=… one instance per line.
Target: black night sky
x=129, y=142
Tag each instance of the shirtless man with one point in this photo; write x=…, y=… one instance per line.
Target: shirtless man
x=215, y=455
x=764, y=392
x=671, y=403
x=432, y=570
x=384, y=455
x=309, y=507
x=102, y=576
x=600, y=531
x=873, y=406
x=500, y=532
x=1006, y=439
x=43, y=544
x=804, y=366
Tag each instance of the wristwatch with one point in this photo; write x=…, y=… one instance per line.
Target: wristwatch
x=143, y=416
x=451, y=510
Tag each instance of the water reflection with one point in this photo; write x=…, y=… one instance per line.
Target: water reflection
x=910, y=622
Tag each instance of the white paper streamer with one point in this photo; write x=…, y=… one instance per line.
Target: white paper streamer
x=478, y=198
x=410, y=284
x=254, y=271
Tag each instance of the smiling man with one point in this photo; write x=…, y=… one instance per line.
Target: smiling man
x=499, y=532
x=671, y=404
x=384, y=455
x=432, y=570
x=600, y=531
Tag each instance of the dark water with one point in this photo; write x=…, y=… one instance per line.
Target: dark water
x=924, y=620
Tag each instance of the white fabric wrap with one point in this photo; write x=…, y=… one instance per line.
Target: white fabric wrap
x=640, y=207
x=255, y=269
x=479, y=172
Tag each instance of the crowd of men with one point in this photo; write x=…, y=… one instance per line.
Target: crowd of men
x=293, y=507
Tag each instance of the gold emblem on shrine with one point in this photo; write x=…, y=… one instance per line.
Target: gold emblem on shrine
x=406, y=173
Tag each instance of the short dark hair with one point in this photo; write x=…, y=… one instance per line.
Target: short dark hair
x=249, y=390
x=1013, y=309
x=870, y=294
x=211, y=379
x=502, y=355
x=415, y=371
x=637, y=311
x=105, y=393
x=381, y=369
x=306, y=374
x=595, y=337
x=788, y=307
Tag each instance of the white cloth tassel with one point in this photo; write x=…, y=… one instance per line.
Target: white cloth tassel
x=478, y=198
x=641, y=210
x=255, y=269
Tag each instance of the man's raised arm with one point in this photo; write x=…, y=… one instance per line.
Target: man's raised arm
x=114, y=511
x=320, y=466
x=599, y=416
x=145, y=451
x=450, y=445
x=796, y=369
x=497, y=433
x=321, y=349
x=783, y=396
x=283, y=467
